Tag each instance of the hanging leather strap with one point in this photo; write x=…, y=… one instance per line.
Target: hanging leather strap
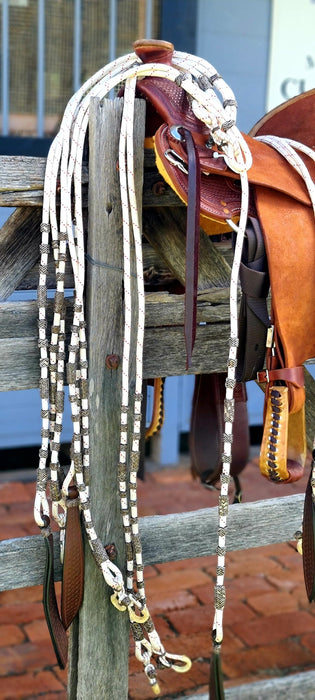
x=253, y=316
x=56, y=629
x=308, y=539
x=192, y=244
x=216, y=689
x=207, y=426
x=73, y=563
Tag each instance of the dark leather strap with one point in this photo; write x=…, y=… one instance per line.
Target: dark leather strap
x=253, y=316
x=56, y=629
x=216, y=689
x=192, y=244
x=207, y=426
x=308, y=540
x=292, y=375
x=73, y=564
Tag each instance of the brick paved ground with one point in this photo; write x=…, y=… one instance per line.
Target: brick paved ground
x=269, y=625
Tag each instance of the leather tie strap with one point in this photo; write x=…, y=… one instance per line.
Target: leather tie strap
x=73, y=564
x=253, y=316
x=207, y=426
x=192, y=244
x=56, y=629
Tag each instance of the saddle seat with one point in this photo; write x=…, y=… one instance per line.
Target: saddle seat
x=280, y=201
x=222, y=199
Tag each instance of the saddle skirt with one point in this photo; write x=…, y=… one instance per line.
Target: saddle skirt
x=280, y=201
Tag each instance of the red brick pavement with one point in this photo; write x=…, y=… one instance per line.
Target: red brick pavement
x=269, y=625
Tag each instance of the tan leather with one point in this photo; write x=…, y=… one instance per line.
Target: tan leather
x=157, y=418
x=283, y=447
x=293, y=119
x=280, y=200
x=220, y=194
x=289, y=234
x=56, y=629
x=73, y=565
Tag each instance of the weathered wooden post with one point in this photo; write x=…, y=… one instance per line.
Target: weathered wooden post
x=100, y=639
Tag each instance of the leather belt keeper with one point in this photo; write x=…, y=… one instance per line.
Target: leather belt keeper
x=293, y=377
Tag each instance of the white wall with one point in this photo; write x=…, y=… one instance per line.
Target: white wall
x=233, y=35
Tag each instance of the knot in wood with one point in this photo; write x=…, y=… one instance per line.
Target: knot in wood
x=112, y=361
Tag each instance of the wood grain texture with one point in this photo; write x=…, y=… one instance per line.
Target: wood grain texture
x=19, y=318
x=298, y=686
x=22, y=183
x=30, y=279
x=168, y=537
x=165, y=228
x=106, y=673
x=266, y=522
x=163, y=355
x=19, y=248
x=23, y=562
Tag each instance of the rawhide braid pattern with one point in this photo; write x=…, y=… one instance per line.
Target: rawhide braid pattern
x=214, y=104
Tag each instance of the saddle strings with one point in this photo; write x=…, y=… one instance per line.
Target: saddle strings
x=64, y=161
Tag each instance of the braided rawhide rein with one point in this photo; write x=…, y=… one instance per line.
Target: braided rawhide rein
x=63, y=171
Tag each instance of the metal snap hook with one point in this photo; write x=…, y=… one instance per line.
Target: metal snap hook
x=183, y=666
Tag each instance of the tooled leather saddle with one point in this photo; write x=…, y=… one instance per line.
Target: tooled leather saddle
x=279, y=247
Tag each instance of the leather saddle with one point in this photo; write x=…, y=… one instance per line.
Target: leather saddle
x=280, y=229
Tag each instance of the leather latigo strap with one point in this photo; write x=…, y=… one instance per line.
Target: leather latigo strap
x=192, y=245
x=207, y=426
x=253, y=315
x=73, y=562
x=157, y=93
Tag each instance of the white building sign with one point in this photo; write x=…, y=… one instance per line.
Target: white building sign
x=292, y=50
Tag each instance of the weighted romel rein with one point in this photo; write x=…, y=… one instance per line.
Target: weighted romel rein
x=212, y=107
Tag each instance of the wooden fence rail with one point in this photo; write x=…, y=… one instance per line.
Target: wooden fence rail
x=99, y=624
x=251, y=525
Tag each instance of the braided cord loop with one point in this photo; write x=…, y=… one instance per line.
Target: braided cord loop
x=213, y=102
